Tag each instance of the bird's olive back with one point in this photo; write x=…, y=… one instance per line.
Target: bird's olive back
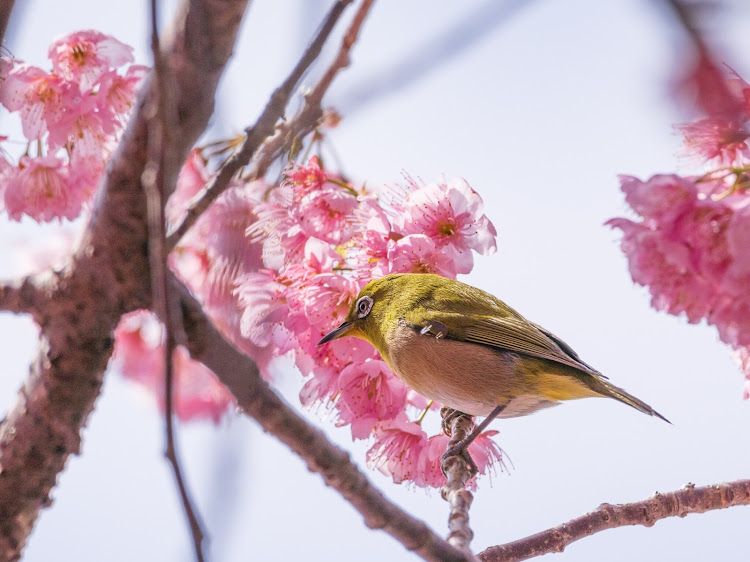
x=396, y=295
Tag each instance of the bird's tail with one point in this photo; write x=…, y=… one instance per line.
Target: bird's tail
x=606, y=388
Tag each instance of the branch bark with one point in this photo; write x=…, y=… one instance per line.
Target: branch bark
x=6, y=9
x=680, y=503
x=240, y=374
x=106, y=277
x=24, y=295
x=454, y=492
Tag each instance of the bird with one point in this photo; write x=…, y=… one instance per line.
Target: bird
x=463, y=347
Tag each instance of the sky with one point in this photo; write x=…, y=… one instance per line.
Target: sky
x=540, y=106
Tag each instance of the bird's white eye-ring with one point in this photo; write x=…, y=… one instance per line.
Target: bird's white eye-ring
x=364, y=306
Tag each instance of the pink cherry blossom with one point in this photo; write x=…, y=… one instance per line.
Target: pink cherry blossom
x=430, y=461
x=370, y=392
x=742, y=357
x=664, y=197
x=307, y=179
x=264, y=306
x=716, y=94
x=483, y=450
x=42, y=190
x=397, y=450
x=326, y=297
x=83, y=56
x=192, y=178
x=451, y=215
x=82, y=128
x=416, y=253
x=139, y=356
x=36, y=95
x=714, y=139
x=689, y=250
x=487, y=455
x=117, y=93
x=327, y=214
x=320, y=387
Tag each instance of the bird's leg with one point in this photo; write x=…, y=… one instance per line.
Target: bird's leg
x=461, y=448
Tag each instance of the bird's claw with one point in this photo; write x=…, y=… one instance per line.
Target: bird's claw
x=448, y=415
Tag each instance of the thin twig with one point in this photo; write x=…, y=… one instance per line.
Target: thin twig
x=454, y=492
x=714, y=93
x=158, y=171
x=306, y=120
x=647, y=512
x=240, y=375
x=263, y=128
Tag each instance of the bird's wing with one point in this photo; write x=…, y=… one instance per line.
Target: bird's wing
x=566, y=348
x=509, y=333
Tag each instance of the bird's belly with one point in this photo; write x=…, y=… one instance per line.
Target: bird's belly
x=468, y=377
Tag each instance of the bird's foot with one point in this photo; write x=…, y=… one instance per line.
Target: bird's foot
x=448, y=415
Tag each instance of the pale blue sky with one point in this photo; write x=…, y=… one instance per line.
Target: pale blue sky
x=539, y=115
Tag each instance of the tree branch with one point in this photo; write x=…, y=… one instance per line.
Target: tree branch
x=647, y=512
x=240, y=374
x=454, y=492
x=6, y=9
x=258, y=133
x=23, y=295
x=106, y=277
x=159, y=177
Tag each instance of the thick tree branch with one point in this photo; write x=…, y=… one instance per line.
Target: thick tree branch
x=689, y=499
x=106, y=277
x=258, y=133
x=240, y=374
x=6, y=9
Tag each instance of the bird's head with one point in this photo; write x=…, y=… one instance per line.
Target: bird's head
x=380, y=303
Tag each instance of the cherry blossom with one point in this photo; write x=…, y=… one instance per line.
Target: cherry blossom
x=139, y=356
x=397, y=450
x=83, y=56
x=42, y=190
x=71, y=118
x=451, y=215
x=116, y=93
x=417, y=253
x=714, y=139
x=36, y=95
x=369, y=393
x=689, y=244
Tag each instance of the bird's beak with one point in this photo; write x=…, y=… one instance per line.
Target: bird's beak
x=337, y=333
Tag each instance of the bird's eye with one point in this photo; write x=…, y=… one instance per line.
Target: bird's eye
x=364, y=305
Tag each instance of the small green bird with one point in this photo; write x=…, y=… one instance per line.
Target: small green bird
x=462, y=347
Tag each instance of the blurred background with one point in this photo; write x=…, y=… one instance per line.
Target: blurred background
x=539, y=105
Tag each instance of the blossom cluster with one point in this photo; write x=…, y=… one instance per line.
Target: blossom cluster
x=277, y=267
x=274, y=266
x=71, y=117
x=691, y=243
x=323, y=240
